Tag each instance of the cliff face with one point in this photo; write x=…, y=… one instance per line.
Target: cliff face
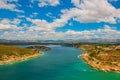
x=102, y=57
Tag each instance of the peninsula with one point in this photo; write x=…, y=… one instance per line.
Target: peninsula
x=10, y=54
x=102, y=57
x=39, y=48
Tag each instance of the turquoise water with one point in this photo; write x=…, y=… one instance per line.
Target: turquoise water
x=61, y=63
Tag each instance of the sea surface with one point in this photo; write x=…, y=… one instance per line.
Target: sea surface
x=60, y=63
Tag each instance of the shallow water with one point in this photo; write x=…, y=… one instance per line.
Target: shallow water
x=60, y=63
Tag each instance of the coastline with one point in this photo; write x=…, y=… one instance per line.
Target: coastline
x=98, y=65
x=20, y=59
x=101, y=57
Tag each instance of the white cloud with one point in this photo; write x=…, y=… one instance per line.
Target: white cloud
x=43, y=3
x=94, y=11
x=16, y=21
x=34, y=14
x=42, y=34
x=21, y=16
x=49, y=14
x=41, y=25
x=9, y=6
x=87, y=11
x=7, y=25
x=107, y=32
x=5, y=21
x=48, y=26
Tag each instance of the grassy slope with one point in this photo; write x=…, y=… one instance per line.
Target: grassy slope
x=15, y=53
x=102, y=56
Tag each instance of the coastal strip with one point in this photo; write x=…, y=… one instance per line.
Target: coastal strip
x=99, y=65
x=19, y=59
x=13, y=54
x=101, y=57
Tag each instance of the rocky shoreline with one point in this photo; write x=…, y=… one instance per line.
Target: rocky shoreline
x=13, y=59
x=99, y=65
x=105, y=60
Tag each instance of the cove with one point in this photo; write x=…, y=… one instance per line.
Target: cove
x=60, y=63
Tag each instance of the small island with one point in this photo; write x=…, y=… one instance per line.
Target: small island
x=10, y=54
x=39, y=48
x=102, y=57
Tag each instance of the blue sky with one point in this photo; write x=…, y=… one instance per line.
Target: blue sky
x=59, y=19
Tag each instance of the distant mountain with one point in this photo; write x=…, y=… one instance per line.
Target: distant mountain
x=97, y=40
x=4, y=41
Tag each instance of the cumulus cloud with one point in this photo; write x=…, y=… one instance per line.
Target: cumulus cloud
x=44, y=26
x=106, y=32
x=14, y=21
x=41, y=25
x=5, y=21
x=7, y=25
x=6, y=4
x=87, y=11
x=95, y=11
x=43, y=3
x=84, y=11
